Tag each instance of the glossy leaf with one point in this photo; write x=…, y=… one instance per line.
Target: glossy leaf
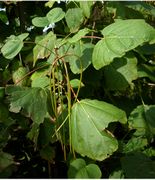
x=31, y=100
x=89, y=120
x=74, y=18
x=121, y=72
x=13, y=46
x=119, y=38
x=55, y=15
x=79, y=169
x=40, y=21
x=44, y=47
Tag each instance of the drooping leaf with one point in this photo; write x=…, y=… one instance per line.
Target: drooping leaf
x=89, y=120
x=121, y=72
x=31, y=100
x=79, y=169
x=44, y=47
x=138, y=165
x=74, y=18
x=78, y=35
x=40, y=21
x=81, y=58
x=86, y=6
x=55, y=15
x=13, y=46
x=120, y=37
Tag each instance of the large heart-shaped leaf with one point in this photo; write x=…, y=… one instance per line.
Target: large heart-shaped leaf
x=13, y=46
x=120, y=37
x=89, y=120
x=31, y=100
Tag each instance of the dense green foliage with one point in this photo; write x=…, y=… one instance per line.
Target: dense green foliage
x=77, y=89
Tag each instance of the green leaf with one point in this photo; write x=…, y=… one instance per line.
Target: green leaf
x=47, y=129
x=75, y=83
x=55, y=15
x=121, y=72
x=5, y=160
x=31, y=100
x=149, y=152
x=13, y=46
x=89, y=120
x=4, y=114
x=44, y=47
x=40, y=21
x=142, y=120
x=34, y=133
x=117, y=175
x=86, y=6
x=146, y=71
x=79, y=169
x=135, y=144
x=150, y=114
x=79, y=35
x=2, y=92
x=81, y=58
x=119, y=38
x=142, y=7
x=137, y=165
x=18, y=76
x=48, y=153
x=41, y=82
x=74, y=18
